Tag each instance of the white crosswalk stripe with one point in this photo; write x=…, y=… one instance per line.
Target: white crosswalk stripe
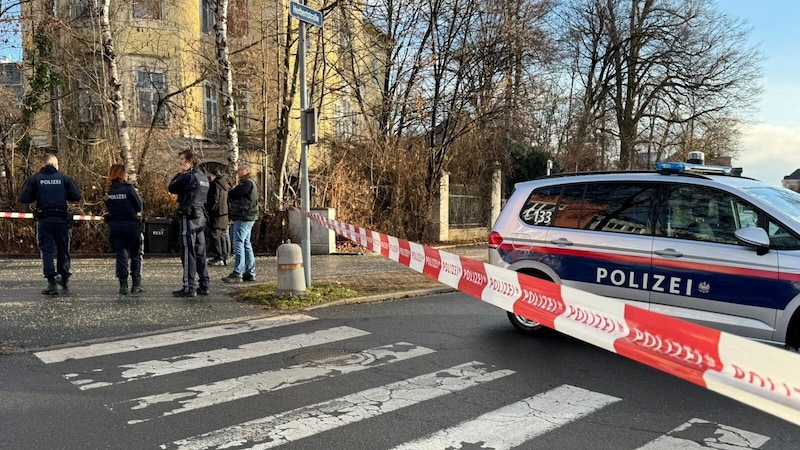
x=519, y=422
x=163, y=340
x=509, y=426
x=182, y=363
x=202, y=396
x=278, y=429
x=716, y=436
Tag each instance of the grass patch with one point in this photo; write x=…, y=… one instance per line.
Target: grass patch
x=319, y=292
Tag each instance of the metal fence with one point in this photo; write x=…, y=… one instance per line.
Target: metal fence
x=468, y=206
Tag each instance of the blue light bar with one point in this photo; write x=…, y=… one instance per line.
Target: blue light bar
x=681, y=167
x=663, y=166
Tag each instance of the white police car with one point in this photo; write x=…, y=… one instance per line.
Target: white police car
x=687, y=240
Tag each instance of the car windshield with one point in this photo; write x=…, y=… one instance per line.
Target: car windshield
x=783, y=199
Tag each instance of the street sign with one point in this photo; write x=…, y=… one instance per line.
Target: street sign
x=305, y=14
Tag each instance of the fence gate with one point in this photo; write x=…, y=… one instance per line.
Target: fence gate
x=468, y=208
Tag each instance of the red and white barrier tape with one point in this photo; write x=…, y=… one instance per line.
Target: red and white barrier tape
x=17, y=215
x=756, y=374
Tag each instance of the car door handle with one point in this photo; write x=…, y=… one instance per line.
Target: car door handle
x=669, y=252
x=561, y=241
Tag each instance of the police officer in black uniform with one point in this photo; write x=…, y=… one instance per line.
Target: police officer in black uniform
x=51, y=190
x=124, y=227
x=191, y=186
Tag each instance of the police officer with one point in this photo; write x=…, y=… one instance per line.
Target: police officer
x=124, y=227
x=51, y=190
x=191, y=186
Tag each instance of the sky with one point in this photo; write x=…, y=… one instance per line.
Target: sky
x=770, y=147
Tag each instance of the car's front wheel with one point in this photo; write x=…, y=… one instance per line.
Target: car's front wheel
x=521, y=323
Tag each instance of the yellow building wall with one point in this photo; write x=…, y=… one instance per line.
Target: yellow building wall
x=175, y=44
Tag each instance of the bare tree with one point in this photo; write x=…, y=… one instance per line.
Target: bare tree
x=115, y=90
x=223, y=61
x=645, y=62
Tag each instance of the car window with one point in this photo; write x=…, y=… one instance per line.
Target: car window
x=570, y=207
x=540, y=207
x=704, y=214
x=611, y=207
x=780, y=238
x=618, y=207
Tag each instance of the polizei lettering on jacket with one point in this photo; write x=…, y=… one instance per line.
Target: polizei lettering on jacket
x=646, y=281
x=56, y=181
x=117, y=196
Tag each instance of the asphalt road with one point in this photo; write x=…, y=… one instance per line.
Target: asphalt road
x=444, y=371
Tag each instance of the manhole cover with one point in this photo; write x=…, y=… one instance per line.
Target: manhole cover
x=328, y=357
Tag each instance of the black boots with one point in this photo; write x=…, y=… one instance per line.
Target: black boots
x=137, y=285
x=123, y=286
x=52, y=287
x=63, y=282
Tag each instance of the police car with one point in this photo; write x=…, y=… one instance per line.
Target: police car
x=692, y=241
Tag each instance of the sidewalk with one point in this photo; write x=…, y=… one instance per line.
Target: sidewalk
x=94, y=311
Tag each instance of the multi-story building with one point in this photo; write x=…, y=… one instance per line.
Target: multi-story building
x=166, y=56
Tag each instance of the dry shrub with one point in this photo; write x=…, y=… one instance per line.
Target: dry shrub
x=17, y=237
x=342, y=184
x=381, y=187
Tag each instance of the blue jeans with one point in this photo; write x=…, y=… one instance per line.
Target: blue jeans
x=245, y=261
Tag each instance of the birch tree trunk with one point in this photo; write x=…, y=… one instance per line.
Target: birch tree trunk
x=115, y=92
x=229, y=113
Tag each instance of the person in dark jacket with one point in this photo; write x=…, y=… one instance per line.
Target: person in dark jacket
x=124, y=227
x=219, y=247
x=243, y=211
x=51, y=190
x=191, y=186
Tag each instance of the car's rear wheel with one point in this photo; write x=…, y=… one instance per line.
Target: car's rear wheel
x=521, y=323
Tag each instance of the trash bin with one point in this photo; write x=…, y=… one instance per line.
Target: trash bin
x=157, y=235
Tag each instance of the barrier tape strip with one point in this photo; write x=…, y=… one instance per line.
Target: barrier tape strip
x=18, y=215
x=759, y=375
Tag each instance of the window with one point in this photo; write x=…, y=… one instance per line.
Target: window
x=80, y=9
x=780, y=238
x=704, y=214
x=610, y=207
x=570, y=207
x=146, y=9
x=211, y=107
x=242, y=107
x=617, y=207
x=540, y=207
x=207, y=16
x=151, y=86
x=89, y=105
x=344, y=122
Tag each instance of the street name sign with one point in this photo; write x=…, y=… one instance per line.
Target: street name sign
x=305, y=14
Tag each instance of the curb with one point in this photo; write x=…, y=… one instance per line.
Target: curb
x=382, y=297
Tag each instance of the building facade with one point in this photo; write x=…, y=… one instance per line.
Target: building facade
x=170, y=82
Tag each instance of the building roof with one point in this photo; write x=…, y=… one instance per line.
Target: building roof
x=794, y=176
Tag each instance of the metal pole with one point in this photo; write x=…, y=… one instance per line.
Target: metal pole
x=305, y=204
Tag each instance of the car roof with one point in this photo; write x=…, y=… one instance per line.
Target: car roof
x=735, y=182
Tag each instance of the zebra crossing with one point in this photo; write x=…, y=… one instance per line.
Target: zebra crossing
x=110, y=366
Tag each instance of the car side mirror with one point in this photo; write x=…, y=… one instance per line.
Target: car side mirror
x=754, y=237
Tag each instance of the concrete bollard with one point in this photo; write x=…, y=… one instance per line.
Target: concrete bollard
x=291, y=278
